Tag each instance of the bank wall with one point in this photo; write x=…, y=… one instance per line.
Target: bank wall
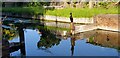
x=107, y=22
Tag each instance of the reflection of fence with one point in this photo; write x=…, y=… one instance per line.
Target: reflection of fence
x=59, y=24
x=84, y=28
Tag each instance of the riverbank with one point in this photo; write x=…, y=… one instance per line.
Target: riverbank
x=108, y=22
x=50, y=18
x=102, y=21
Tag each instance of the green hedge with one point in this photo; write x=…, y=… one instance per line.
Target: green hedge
x=28, y=10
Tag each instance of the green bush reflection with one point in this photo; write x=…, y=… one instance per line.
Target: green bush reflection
x=9, y=34
x=48, y=38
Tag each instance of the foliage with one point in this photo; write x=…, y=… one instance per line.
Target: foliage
x=24, y=10
x=103, y=4
x=91, y=39
x=48, y=39
x=34, y=4
x=9, y=34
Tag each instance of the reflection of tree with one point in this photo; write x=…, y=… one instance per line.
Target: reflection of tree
x=7, y=48
x=48, y=39
x=9, y=34
x=91, y=40
x=105, y=39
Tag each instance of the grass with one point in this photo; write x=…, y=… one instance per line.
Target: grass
x=77, y=12
x=82, y=12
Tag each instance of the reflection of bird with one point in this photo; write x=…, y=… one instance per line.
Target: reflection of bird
x=72, y=50
x=72, y=45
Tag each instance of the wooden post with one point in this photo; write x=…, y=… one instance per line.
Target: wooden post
x=22, y=40
x=5, y=48
x=72, y=28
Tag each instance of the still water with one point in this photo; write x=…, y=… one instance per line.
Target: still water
x=81, y=48
x=40, y=41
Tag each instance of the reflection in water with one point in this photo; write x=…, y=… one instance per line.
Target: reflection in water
x=105, y=39
x=48, y=39
x=7, y=47
x=51, y=39
x=72, y=38
x=22, y=40
x=46, y=50
x=9, y=34
x=72, y=45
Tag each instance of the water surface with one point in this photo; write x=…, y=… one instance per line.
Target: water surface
x=43, y=41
